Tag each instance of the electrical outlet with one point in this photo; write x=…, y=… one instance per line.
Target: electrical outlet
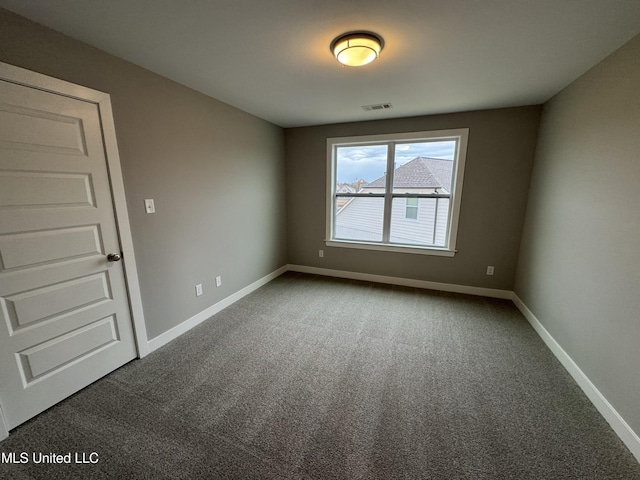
x=490, y=270
x=198, y=290
x=218, y=281
x=321, y=253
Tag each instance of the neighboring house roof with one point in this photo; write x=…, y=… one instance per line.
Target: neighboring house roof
x=421, y=172
x=345, y=188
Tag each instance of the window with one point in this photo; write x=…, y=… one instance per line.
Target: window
x=411, y=208
x=397, y=192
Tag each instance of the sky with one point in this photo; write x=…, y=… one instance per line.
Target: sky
x=369, y=162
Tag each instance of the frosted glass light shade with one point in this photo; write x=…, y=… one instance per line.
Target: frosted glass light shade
x=356, y=49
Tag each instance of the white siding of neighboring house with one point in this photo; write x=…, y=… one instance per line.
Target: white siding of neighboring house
x=420, y=231
x=362, y=219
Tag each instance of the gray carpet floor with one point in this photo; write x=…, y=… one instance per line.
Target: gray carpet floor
x=318, y=378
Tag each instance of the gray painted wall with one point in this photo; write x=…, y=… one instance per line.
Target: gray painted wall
x=215, y=172
x=217, y=175
x=499, y=161
x=579, y=268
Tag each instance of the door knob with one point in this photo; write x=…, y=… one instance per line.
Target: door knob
x=114, y=257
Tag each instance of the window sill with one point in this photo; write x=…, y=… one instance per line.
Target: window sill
x=441, y=252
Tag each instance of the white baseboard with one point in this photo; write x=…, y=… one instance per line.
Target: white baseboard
x=405, y=282
x=188, y=324
x=622, y=428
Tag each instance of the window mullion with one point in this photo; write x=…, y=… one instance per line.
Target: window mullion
x=388, y=197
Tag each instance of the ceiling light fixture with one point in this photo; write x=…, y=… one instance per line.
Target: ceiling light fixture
x=357, y=48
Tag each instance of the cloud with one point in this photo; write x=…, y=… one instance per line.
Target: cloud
x=369, y=162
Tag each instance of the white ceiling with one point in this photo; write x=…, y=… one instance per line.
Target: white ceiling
x=271, y=57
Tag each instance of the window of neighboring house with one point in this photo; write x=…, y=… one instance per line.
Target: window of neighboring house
x=411, y=208
x=397, y=192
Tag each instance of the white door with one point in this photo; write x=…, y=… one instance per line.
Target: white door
x=64, y=311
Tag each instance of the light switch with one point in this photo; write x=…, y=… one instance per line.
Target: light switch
x=149, y=206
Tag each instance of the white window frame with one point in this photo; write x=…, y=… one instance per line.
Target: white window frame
x=460, y=135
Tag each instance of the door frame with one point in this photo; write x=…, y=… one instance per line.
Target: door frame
x=102, y=100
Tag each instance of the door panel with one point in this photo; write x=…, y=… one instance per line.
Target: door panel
x=53, y=354
x=28, y=189
x=64, y=311
x=39, y=130
x=26, y=249
x=42, y=303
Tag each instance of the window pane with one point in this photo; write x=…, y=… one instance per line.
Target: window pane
x=430, y=226
x=424, y=167
x=360, y=219
x=361, y=169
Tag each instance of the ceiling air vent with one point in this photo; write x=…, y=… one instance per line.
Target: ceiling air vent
x=378, y=106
